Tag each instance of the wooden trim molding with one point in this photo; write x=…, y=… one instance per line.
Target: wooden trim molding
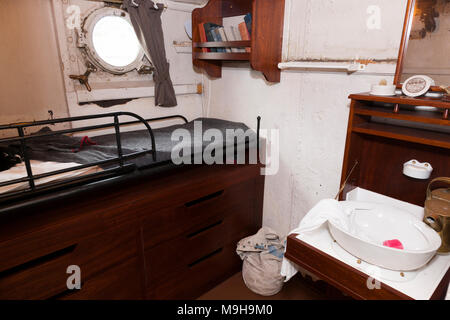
x=409, y=17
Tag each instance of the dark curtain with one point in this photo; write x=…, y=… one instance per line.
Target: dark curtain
x=146, y=20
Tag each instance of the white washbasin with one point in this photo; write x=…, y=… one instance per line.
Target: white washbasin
x=371, y=225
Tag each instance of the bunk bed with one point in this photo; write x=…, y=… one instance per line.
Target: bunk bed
x=137, y=225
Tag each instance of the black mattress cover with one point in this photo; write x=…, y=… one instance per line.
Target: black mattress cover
x=62, y=148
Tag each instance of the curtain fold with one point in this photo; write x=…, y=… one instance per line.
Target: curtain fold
x=146, y=20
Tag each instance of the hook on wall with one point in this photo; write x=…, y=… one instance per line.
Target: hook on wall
x=84, y=78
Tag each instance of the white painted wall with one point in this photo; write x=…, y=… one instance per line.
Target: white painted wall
x=343, y=29
x=311, y=108
x=31, y=82
x=181, y=70
x=38, y=53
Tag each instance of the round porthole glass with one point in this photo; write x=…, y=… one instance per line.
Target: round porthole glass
x=115, y=41
x=110, y=41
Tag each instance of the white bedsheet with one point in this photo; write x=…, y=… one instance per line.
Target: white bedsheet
x=39, y=167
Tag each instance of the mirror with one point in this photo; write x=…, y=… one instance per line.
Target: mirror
x=425, y=46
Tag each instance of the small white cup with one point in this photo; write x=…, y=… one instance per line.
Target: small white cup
x=386, y=90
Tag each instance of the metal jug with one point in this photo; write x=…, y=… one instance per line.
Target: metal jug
x=437, y=212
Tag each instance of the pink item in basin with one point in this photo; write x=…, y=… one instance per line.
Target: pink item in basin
x=393, y=244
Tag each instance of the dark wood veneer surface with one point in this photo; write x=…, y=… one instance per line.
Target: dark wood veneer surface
x=125, y=235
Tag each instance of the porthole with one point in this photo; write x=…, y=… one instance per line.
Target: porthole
x=110, y=42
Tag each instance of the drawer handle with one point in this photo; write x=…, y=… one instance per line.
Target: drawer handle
x=65, y=293
x=38, y=261
x=210, y=255
x=193, y=234
x=203, y=199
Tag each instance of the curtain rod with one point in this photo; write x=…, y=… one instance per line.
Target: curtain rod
x=117, y=2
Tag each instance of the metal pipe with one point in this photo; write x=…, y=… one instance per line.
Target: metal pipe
x=118, y=141
x=322, y=65
x=258, y=128
x=23, y=148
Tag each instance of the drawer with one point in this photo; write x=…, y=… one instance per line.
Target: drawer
x=58, y=235
x=118, y=283
x=46, y=276
x=192, y=282
x=199, y=213
x=187, y=250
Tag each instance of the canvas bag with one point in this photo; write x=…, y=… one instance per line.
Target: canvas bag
x=262, y=255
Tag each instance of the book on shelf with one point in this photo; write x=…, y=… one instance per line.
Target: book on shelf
x=230, y=37
x=201, y=30
x=237, y=36
x=210, y=35
x=211, y=32
x=217, y=38
x=248, y=22
x=245, y=35
x=223, y=36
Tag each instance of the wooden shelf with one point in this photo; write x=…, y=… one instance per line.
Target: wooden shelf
x=429, y=117
x=382, y=137
x=432, y=138
x=224, y=44
x=222, y=56
x=266, y=43
x=422, y=101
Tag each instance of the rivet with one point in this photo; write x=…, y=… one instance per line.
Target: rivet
x=402, y=274
x=358, y=261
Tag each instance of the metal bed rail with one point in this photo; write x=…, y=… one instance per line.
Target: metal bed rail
x=120, y=159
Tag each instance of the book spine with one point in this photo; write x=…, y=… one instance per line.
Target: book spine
x=209, y=35
x=248, y=22
x=223, y=36
x=230, y=37
x=237, y=36
x=244, y=34
x=216, y=38
x=219, y=39
x=201, y=30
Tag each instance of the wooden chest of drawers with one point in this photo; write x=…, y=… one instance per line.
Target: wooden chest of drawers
x=169, y=237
